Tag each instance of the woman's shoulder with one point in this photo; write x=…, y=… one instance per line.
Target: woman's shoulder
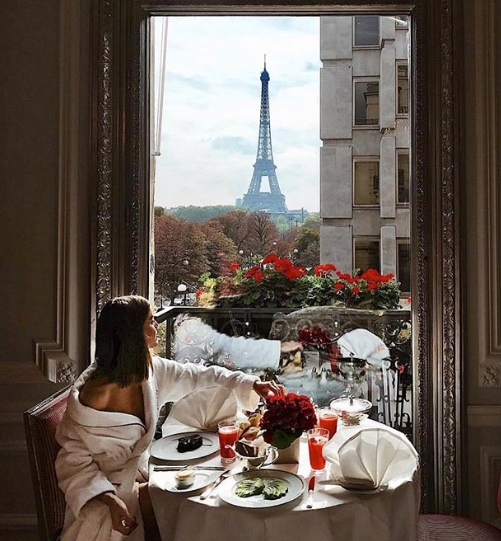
x=95, y=393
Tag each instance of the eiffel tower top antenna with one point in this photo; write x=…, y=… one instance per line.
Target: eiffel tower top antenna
x=272, y=201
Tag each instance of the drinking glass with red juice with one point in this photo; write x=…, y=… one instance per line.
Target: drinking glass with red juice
x=227, y=431
x=317, y=438
x=327, y=419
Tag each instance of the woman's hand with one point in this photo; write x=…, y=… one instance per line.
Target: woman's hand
x=265, y=388
x=122, y=521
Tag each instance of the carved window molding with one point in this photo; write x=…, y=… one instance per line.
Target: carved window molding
x=123, y=197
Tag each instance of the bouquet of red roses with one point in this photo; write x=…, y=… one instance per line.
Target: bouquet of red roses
x=286, y=418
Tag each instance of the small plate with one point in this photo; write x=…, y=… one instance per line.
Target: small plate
x=360, y=489
x=203, y=478
x=227, y=488
x=166, y=448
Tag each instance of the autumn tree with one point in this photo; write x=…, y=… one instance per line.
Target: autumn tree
x=221, y=250
x=308, y=247
x=235, y=225
x=180, y=254
x=263, y=233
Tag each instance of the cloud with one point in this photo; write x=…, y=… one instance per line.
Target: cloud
x=237, y=145
x=211, y=108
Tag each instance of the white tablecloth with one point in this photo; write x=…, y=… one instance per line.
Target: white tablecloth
x=337, y=513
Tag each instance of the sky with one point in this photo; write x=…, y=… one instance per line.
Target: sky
x=211, y=104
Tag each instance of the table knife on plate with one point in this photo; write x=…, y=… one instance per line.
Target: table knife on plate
x=311, y=490
x=217, y=482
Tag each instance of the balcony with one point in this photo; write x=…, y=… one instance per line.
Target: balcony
x=389, y=388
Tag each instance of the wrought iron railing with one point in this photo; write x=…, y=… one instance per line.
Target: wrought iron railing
x=389, y=388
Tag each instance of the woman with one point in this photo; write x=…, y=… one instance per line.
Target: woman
x=110, y=421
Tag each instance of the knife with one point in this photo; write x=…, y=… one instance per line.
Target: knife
x=177, y=468
x=217, y=482
x=311, y=490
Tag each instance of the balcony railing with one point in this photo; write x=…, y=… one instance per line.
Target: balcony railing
x=389, y=388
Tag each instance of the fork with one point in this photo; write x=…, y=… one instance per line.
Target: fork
x=207, y=492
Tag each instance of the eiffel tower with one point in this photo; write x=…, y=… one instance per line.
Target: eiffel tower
x=272, y=201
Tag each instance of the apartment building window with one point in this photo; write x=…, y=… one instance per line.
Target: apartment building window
x=366, y=31
x=403, y=195
x=402, y=89
x=366, y=108
x=366, y=253
x=366, y=182
x=404, y=265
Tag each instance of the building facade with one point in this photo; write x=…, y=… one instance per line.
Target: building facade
x=364, y=158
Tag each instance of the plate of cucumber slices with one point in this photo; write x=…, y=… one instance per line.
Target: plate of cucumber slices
x=261, y=488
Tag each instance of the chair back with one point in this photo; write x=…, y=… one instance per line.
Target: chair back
x=40, y=424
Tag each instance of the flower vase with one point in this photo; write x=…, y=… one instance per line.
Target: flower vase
x=289, y=455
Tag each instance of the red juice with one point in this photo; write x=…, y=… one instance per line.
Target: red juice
x=315, y=446
x=328, y=419
x=228, y=435
x=317, y=438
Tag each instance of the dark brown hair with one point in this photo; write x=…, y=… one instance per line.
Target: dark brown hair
x=122, y=355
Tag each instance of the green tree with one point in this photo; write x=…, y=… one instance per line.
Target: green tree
x=202, y=214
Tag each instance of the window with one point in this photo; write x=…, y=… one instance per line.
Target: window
x=404, y=265
x=366, y=253
x=366, y=182
x=366, y=31
x=403, y=177
x=402, y=89
x=366, y=103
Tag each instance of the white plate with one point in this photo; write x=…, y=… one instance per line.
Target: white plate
x=166, y=448
x=227, y=488
x=203, y=478
x=360, y=489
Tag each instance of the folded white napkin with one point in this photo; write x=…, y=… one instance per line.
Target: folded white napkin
x=201, y=409
x=370, y=457
x=363, y=344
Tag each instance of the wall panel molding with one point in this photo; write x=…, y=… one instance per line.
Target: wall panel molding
x=486, y=416
x=17, y=521
x=489, y=195
x=51, y=354
x=490, y=466
x=494, y=195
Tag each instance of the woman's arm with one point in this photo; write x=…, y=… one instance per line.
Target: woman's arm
x=78, y=475
x=121, y=519
x=175, y=380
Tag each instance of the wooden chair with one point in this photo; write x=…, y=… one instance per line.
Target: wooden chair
x=449, y=528
x=40, y=424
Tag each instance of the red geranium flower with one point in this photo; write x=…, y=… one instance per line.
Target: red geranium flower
x=325, y=269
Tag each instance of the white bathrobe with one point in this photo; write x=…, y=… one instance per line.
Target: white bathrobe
x=106, y=451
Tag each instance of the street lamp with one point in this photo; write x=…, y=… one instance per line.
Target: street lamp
x=182, y=289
